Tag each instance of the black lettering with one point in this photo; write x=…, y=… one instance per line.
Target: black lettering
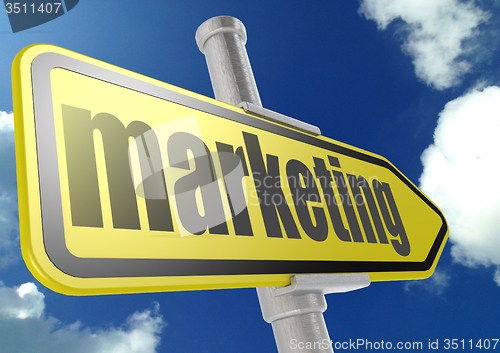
x=84, y=191
x=229, y=163
x=154, y=186
x=325, y=180
x=202, y=177
x=239, y=152
x=308, y=192
x=362, y=184
x=347, y=203
x=394, y=224
x=83, y=184
x=356, y=184
x=267, y=182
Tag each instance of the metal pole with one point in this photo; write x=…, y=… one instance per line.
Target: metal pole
x=295, y=311
x=222, y=39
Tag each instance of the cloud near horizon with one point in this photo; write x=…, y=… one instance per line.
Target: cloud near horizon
x=22, y=316
x=436, y=284
x=460, y=171
x=437, y=34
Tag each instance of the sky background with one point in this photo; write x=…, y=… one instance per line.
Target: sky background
x=416, y=81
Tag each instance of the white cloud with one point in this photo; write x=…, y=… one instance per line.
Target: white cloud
x=496, y=276
x=6, y=121
x=436, y=284
x=461, y=170
x=437, y=31
x=9, y=223
x=21, y=303
x=24, y=328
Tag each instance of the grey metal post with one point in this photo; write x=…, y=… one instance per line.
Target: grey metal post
x=222, y=39
x=295, y=311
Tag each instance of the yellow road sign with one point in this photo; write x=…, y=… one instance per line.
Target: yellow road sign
x=127, y=184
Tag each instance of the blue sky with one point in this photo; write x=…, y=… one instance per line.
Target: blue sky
x=414, y=81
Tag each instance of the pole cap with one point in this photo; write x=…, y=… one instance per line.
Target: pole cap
x=216, y=25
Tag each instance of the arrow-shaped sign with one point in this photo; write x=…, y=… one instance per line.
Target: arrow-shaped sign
x=127, y=184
